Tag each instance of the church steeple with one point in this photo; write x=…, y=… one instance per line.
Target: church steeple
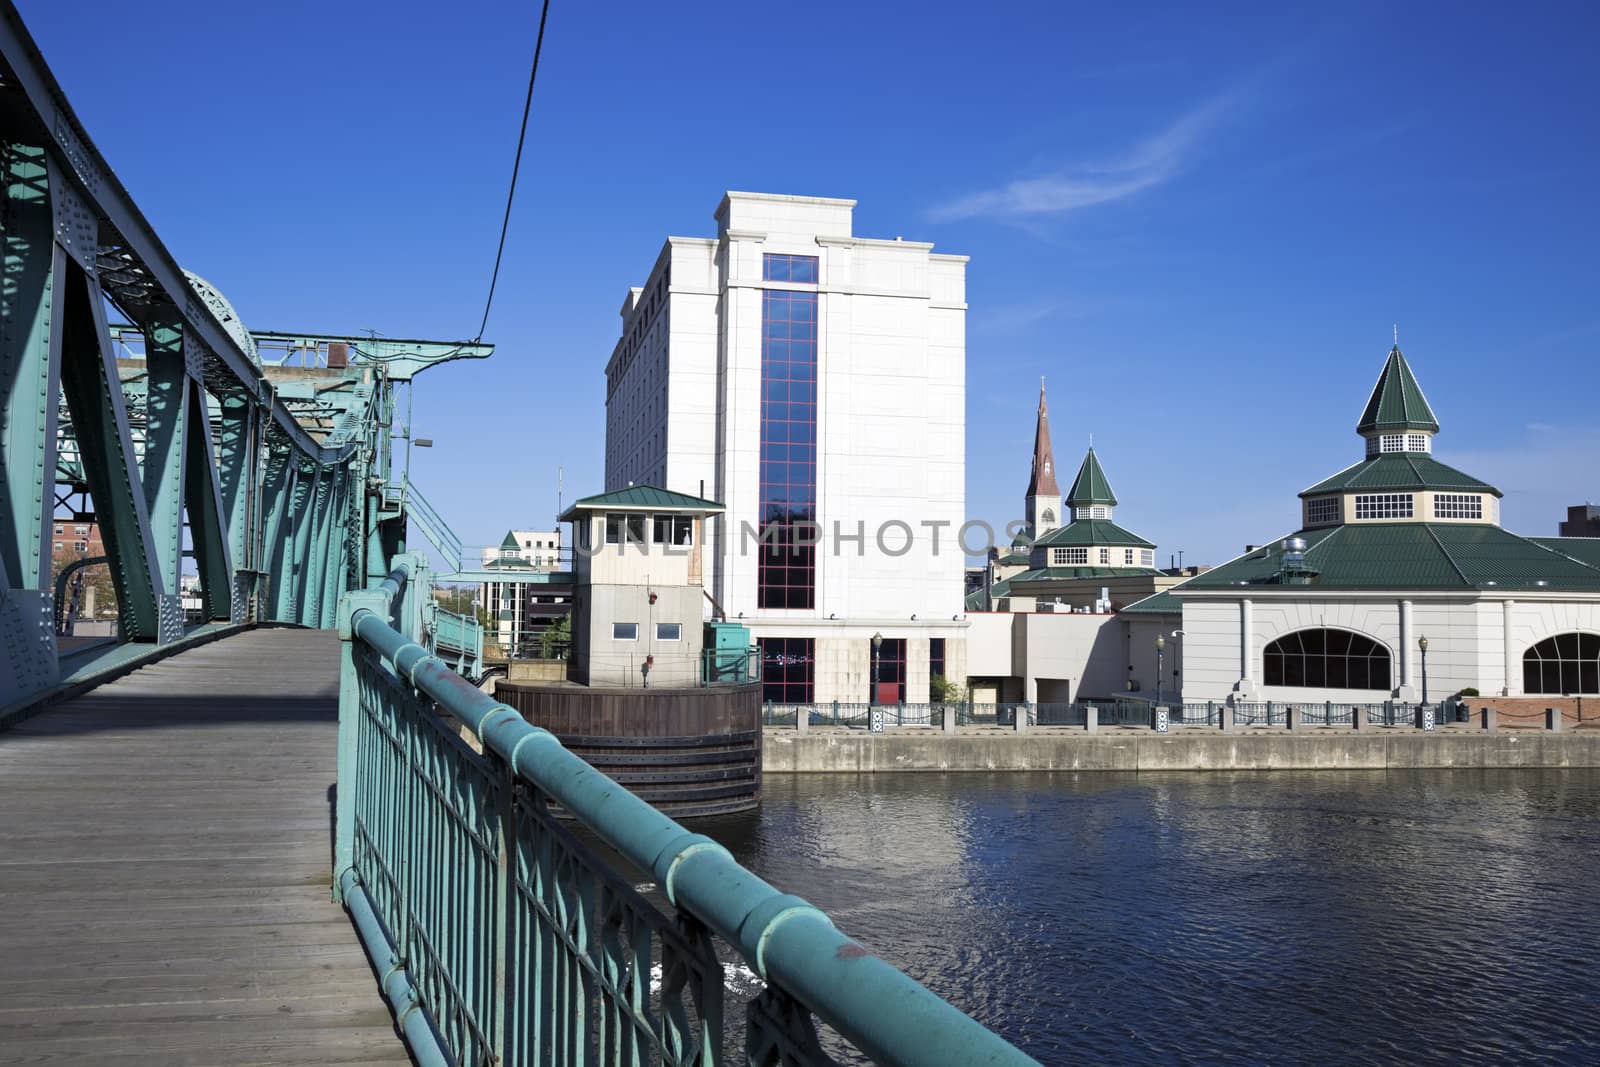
x=1091, y=490
x=1044, y=495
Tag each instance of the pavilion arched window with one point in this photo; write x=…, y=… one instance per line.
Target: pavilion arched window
x=1327, y=659
x=1565, y=663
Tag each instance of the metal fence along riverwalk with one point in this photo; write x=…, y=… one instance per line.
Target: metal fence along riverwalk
x=502, y=937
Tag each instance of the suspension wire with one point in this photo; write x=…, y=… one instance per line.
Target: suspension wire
x=516, y=166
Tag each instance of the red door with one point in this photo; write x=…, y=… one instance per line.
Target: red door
x=888, y=692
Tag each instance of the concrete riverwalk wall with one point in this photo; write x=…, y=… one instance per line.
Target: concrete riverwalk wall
x=858, y=751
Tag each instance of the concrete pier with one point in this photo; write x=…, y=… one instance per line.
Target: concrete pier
x=1186, y=749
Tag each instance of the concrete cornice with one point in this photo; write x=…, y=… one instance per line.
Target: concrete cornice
x=755, y=236
x=1302, y=592
x=872, y=242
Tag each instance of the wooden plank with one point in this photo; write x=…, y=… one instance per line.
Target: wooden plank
x=165, y=860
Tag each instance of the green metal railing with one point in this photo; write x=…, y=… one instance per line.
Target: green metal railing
x=503, y=938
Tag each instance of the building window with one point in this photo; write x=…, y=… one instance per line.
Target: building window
x=1326, y=659
x=624, y=631
x=1069, y=557
x=669, y=631
x=787, y=668
x=1048, y=517
x=58, y=543
x=787, y=561
x=780, y=268
x=613, y=529
x=1097, y=511
x=81, y=546
x=935, y=657
x=1147, y=557
x=81, y=531
x=1324, y=510
x=1384, y=506
x=58, y=529
x=1127, y=557
x=1416, y=442
x=891, y=671
x=1392, y=442
x=1105, y=556
x=1565, y=663
x=1457, y=506
x=674, y=529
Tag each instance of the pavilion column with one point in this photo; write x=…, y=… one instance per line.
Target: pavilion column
x=1247, y=629
x=1513, y=674
x=1407, y=671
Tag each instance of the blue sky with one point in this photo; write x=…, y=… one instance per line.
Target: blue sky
x=1199, y=226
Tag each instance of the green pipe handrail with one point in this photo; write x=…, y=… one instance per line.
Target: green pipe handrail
x=809, y=966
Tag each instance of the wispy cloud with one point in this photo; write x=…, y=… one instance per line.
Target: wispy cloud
x=1149, y=163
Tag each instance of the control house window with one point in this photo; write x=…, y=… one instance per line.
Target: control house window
x=1127, y=557
x=1457, y=506
x=787, y=668
x=1147, y=557
x=1326, y=659
x=1563, y=664
x=624, y=631
x=1384, y=506
x=674, y=530
x=669, y=631
x=1324, y=510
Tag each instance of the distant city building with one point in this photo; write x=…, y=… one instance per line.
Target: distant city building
x=813, y=381
x=1582, y=521
x=520, y=612
x=75, y=540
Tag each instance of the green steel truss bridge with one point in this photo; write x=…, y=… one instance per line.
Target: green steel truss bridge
x=271, y=820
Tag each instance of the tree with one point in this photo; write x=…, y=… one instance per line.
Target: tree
x=943, y=691
x=555, y=642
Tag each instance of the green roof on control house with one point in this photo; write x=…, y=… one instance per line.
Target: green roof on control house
x=1091, y=532
x=640, y=498
x=1397, y=403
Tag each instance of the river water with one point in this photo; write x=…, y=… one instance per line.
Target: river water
x=1433, y=916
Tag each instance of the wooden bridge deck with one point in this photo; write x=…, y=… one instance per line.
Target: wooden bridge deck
x=165, y=851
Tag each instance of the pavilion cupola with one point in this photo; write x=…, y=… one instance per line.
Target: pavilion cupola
x=1090, y=496
x=1397, y=417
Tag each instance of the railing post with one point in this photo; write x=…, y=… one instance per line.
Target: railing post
x=1552, y=720
x=344, y=807
x=1291, y=717
x=1160, y=718
x=802, y=719
x=1019, y=718
x=1488, y=719
x=1358, y=717
x=1225, y=718
x=1091, y=719
x=949, y=719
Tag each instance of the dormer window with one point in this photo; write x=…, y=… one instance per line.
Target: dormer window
x=1393, y=442
x=1323, y=510
x=1399, y=442
x=1416, y=442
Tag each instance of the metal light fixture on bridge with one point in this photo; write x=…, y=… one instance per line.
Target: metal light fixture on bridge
x=423, y=442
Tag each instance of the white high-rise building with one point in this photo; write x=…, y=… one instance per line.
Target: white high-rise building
x=814, y=382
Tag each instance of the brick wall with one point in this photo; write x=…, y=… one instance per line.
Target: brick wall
x=1512, y=712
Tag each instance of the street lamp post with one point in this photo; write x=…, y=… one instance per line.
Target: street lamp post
x=877, y=643
x=1422, y=644
x=1161, y=648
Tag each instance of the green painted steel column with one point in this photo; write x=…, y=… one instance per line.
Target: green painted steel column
x=277, y=490
x=93, y=392
x=30, y=370
x=336, y=567
x=207, y=531
x=166, y=426
x=30, y=382
x=302, y=513
x=238, y=470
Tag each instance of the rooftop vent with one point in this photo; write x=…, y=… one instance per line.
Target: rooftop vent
x=1292, y=568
